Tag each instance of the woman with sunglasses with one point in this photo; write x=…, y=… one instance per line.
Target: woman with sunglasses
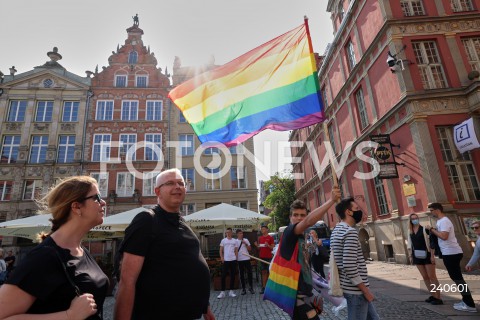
x=59, y=279
x=422, y=256
x=476, y=252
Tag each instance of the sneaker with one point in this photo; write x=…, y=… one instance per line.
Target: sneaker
x=244, y=292
x=430, y=299
x=262, y=291
x=232, y=294
x=436, y=302
x=251, y=290
x=464, y=307
x=221, y=295
x=458, y=304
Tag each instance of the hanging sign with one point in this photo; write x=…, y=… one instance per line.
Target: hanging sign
x=385, y=157
x=465, y=137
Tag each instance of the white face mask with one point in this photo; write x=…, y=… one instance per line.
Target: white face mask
x=415, y=221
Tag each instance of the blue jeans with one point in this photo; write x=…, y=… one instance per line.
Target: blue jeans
x=359, y=308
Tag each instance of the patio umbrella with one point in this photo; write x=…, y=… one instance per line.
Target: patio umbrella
x=26, y=227
x=220, y=217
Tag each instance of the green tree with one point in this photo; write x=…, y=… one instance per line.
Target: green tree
x=282, y=194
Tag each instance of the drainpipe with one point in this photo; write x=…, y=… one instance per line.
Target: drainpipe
x=84, y=134
x=168, y=130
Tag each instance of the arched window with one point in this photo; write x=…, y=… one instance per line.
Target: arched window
x=132, y=57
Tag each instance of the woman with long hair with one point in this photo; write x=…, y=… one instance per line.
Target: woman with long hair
x=423, y=257
x=59, y=279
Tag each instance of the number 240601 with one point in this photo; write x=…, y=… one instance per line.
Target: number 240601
x=447, y=287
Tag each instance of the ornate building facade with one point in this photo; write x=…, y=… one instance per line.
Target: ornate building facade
x=430, y=85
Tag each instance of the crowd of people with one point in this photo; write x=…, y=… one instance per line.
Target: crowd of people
x=59, y=279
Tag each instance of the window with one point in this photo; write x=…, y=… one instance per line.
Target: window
x=6, y=190
x=44, y=111
x=70, y=111
x=129, y=110
x=127, y=146
x=187, y=208
x=351, y=55
x=213, y=181
x=362, y=110
x=238, y=175
x=331, y=133
x=381, y=197
x=16, y=112
x=102, y=181
x=472, y=47
x=39, y=147
x=132, y=57
x=149, y=180
x=32, y=189
x=66, y=149
x=210, y=151
x=241, y=204
x=412, y=8
x=121, y=81
x=182, y=118
x=189, y=177
x=125, y=184
x=186, y=144
x=141, y=81
x=324, y=96
x=429, y=65
x=154, y=111
x=101, y=147
x=461, y=5
x=238, y=149
x=104, y=110
x=153, y=147
x=10, y=149
x=459, y=166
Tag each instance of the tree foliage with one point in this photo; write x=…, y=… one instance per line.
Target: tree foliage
x=282, y=194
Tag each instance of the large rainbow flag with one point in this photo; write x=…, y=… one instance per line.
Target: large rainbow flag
x=273, y=86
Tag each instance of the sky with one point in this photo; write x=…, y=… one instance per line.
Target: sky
x=86, y=32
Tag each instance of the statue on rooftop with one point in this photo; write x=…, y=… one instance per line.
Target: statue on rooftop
x=135, y=20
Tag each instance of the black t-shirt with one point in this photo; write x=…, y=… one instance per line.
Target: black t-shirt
x=418, y=240
x=41, y=275
x=289, y=241
x=174, y=282
x=10, y=266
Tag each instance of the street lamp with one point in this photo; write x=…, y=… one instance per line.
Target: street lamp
x=261, y=208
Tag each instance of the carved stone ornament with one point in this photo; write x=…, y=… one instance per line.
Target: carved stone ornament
x=34, y=171
x=132, y=129
x=13, y=126
x=70, y=127
x=41, y=126
x=103, y=129
x=440, y=27
x=438, y=106
x=5, y=171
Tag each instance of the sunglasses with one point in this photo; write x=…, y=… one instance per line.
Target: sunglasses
x=475, y=228
x=95, y=197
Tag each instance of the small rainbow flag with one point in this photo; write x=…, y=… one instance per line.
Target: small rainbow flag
x=282, y=284
x=273, y=86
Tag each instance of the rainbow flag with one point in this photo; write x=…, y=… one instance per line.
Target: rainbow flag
x=282, y=284
x=273, y=86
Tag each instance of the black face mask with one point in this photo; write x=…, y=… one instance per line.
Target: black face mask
x=357, y=216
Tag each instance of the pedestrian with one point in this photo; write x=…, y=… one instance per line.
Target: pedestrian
x=352, y=269
x=163, y=273
x=476, y=252
x=293, y=245
x=10, y=261
x=452, y=254
x=244, y=264
x=422, y=256
x=3, y=268
x=228, y=255
x=318, y=253
x=265, y=245
x=59, y=279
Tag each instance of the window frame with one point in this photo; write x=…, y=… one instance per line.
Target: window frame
x=6, y=188
x=47, y=111
x=139, y=84
x=213, y=179
x=148, y=183
x=133, y=57
x=461, y=5
x=73, y=111
x=412, y=8
x=186, y=150
x=381, y=196
x=40, y=149
x=152, y=115
x=132, y=106
x=362, y=109
x=103, y=110
x=102, y=182
x=69, y=149
x=13, y=148
x=124, y=193
x=188, y=175
x=149, y=149
x=35, y=186
x=103, y=144
x=20, y=110
x=429, y=66
x=117, y=80
x=235, y=173
x=472, y=51
x=351, y=59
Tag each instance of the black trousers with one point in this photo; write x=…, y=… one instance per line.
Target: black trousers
x=245, y=266
x=452, y=263
x=230, y=267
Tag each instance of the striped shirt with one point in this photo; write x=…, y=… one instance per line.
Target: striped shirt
x=348, y=254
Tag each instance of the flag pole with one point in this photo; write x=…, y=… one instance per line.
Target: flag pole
x=330, y=155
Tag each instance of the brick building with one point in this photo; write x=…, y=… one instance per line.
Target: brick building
x=433, y=86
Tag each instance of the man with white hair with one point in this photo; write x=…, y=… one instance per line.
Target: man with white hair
x=164, y=274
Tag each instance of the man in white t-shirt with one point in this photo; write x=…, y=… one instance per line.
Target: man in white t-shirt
x=452, y=255
x=228, y=254
x=244, y=264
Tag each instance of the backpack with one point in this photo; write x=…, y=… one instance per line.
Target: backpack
x=117, y=261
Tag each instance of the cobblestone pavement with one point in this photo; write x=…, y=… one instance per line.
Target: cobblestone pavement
x=396, y=289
